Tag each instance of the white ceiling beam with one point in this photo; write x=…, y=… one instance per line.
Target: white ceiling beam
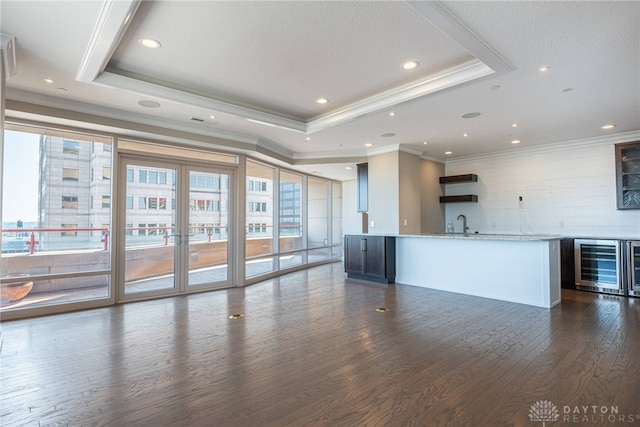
x=115, y=16
x=442, y=18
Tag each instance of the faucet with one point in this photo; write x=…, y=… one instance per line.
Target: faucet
x=464, y=223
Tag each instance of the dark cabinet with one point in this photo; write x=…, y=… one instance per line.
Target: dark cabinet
x=567, y=264
x=628, y=175
x=363, y=187
x=370, y=258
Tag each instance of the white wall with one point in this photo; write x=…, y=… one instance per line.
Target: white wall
x=567, y=189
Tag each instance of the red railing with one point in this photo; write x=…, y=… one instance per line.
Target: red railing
x=32, y=241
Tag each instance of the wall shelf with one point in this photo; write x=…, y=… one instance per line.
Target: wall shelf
x=470, y=177
x=458, y=199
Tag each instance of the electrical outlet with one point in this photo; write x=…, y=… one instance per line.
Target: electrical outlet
x=405, y=222
x=561, y=223
x=373, y=224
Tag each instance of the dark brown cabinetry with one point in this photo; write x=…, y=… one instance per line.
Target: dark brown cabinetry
x=363, y=187
x=567, y=264
x=628, y=175
x=370, y=258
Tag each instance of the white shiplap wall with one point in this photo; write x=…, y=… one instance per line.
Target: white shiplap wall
x=567, y=189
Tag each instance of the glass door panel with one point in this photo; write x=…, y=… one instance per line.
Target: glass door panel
x=150, y=235
x=208, y=249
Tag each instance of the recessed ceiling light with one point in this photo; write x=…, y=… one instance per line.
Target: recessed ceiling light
x=470, y=115
x=567, y=90
x=605, y=127
x=410, y=65
x=543, y=69
x=308, y=138
x=424, y=142
x=62, y=89
x=322, y=100
x=392, y=114
x=212, y=117
x=515, y=125
x=465, y=135
x=448, y=152
x=148, y=104
x=348, y=168
x=495, y=87
x=368, y=144
x=515, y=141
x=150, y=43
x=47, y=80
x=388, y=135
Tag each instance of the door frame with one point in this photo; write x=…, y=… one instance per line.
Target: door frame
x=181, y=252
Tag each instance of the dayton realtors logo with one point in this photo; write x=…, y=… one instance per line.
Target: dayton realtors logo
x=545, y=411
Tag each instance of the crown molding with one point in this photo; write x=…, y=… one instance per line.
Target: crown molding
x=556, y=146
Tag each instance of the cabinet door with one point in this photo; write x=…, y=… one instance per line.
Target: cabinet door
x=628, y=175
x=375, y=257
x=353, y=255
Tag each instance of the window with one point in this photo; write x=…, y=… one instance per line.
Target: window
x=257, y=185
x=153, y=177
x=69, y=202
x=153, y=203
x=70, y=147
x=70, y=174
x=129, y=175
x=129, y=202
x=106, y=172
x=162, y=203
x=142, y=175
x=106, y=201
x=142, y=203
x=129, y=230
x=257, y=206
x=106, y=147
x=162, y=178
x=142, y=229
x=71, y=233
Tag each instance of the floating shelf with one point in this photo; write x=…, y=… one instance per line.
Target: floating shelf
x=458, y=199
x=470, y=177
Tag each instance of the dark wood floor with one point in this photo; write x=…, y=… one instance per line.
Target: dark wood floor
x=312, y=350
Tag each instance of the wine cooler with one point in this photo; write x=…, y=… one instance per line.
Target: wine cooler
x=598, y=266
x=633, y=268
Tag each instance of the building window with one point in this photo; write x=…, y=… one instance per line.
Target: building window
x=106, y=201
x=257, y=206
x=142, y=203
x=71, y=233
x=71, y=147
x=70, y=174
x=129, y=175
x=69, y=202
x=162, y=203
x=143, y=176
x=142, y=229
x=106, y=172
x=153, y=177
x=129, y=230
x=106, y=147
x=129, y=202
x=162, y=178
x=257, y=185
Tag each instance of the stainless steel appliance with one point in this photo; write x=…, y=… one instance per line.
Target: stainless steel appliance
x=598, y=266
x=633, y=268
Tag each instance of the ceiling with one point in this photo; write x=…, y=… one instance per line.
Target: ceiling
x=245, y=75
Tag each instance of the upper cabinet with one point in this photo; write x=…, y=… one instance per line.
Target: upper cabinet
x=363, y=187
x=628, y=175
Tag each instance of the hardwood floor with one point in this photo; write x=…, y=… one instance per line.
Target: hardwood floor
x=312, y=350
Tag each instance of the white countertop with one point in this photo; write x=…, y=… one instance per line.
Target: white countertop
x=474, y=236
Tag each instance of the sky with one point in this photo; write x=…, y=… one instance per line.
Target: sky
x=20, y=177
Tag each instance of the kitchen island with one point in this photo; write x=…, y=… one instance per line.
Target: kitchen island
x=517, y=268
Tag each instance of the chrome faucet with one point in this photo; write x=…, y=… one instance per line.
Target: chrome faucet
x=464, y=223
